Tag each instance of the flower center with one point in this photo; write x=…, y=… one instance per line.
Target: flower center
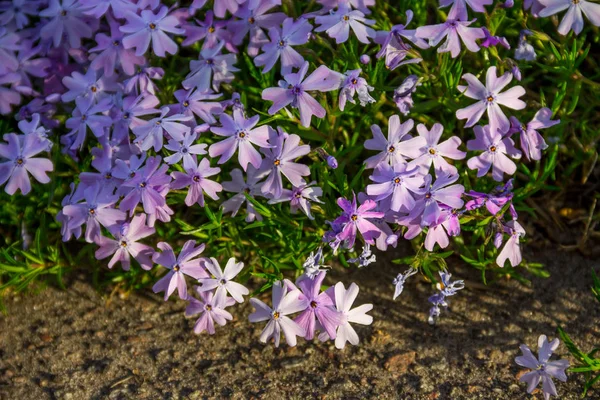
x=251, y=20
x=211, y=29
x=143, y=184
x=432, y=151
x=94, y=89
x=210, y=61
x=242, y=134
x=157, y=123
x=575, y=1
x=354, y=81
x=281, y=43
x=116, y=43
x=493, y=149
x=186, y=104
x=126, y=115
x=298, y=195
x=20, y=161
x=354, y=217
x=296, y=90
x=208, y=307
x=92, y=211
x=247, y=190
x=132, y=174
x=222, y=281
x=397, y=181
x=184, y=150
x=63, y=13
x=490, y=99
x=277, y=162
x=275, y=314
x=428, y=196
x=152, y=26
x=123, y=243
x=313, y=304
x=196, y=178
x=108, y=175
x=176, y=267
x=346, y=18
x=391, y=149
x=83, y=117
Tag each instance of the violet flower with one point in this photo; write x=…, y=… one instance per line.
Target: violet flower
x=495, y=149
x=212, y=308
x=141, y=82
x=211, y=69
x=446, y=224
x=253, y=19
x=222, y=6
x=195, y=178
x=125, y=244
x=542, y=369
x=454, y=30
x=355, y=218
x=397, y=34
x=494, y=201
x=403, y=94
x=318, y=306
x=293, y=33
x=103, y=163
x=19, y=152
x=97, y=210
x=17, y=11
x=9, y=43
x=126, y=112
x=358, y=4
x=511, y=250
x=9, y=96
x=532, y=143
x=435, y=195
x=241, y=133
x=343, y=301
x=185, y=150
x=209, y=30
x=66, y=230
x=185, y=264
x=433, y=152
x=279, y=159
x=446, y=288
x=491, y=40
x=397, y=181
x=459, y=7
x=88, y=115
x=400, y=280
x=338, y=24
x=293, y=91
x=284, y=304
x=88, y=88
x=145, y=186
x=573, y=19
x=193, y=102
x=149, y=27
x=353, y=84
x=312, y=265
x=393, y=148
x=66, y=19
x=99, y=8
x=152, y=133
x=365, y=258
x=237, y=185
x=489, y=99
x=300, y=198
x=222, y=280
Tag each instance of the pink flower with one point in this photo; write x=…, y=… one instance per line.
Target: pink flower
x=453, y=30
x=223, y=280
x=195, y=178
x=495, y=148
x=434, y=152
x=212, y=308
x=393, y=148
x=511, y=250
x=532, y=143
x=357, y=218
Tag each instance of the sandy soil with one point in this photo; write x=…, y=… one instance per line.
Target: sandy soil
x=73, y=345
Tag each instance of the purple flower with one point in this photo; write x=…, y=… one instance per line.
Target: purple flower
x=365, y=59
x=491, y=40
x=356, y=218
x=193, y=101
x=141, y=83
x=99, y=8
x=126, y=112
x=17, y=11
x=97, y=209
x=358, y=4
x=88, y=115
x=446, y=289
x=87, y=88
x=184, y=264
x=532, y=143
x=29, y=65
x=284, y=304
x=489, y=99
x=152, y=133
x=332, y=162
x=448, y=221
x=253, y=19
x=494, y=201
x=103, y=163
x=312, y=265
x=150, y=27
x=145, y=186
x=293, y=90
x=9, y=42
x=453, y=30
x=317, y=306
x=211, y=67
x=343, y=301
x=210, y=30
x=433, y=152
x=393, y=148
x=337, y=24
x=292, y=34
x=398, y=182
x=33, y=128
x=534, y=6
x=279, y=159
x=542, y=368
x=65, y=18
x=300, y=198
x=66, y=230
x=403, y=93
x=195, y=178
x=495, y=148
x=241, y=134
x=353, y=84
x=112, y=53
x=185, y=150
x=435, y=195
x=393, y=46
x=125, y=244
x=222, y=6
x=511, y=250
x=400, y=280
x=365, y=258
x=524, y=50
x=237, y=185
x=212, y=308
x=459, y=7
x=9, y=96
x=573, y=20
x=19, y=158
x=222, y=280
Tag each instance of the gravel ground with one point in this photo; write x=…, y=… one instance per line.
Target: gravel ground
x=74, y=345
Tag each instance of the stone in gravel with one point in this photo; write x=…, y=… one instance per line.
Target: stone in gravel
x=400, y=362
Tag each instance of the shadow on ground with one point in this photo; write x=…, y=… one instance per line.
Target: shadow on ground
x=72, y=345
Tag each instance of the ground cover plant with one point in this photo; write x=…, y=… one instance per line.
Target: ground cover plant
x=224, y=149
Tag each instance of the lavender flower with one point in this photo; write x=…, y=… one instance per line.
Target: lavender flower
x=454, y=30
x=459, y=7
x=293, y=33
x=365, y=258
x=356, y=218
x=491, y=40
x=19, y=152
x=212, y=307
x=210, y=30
x=393, y=148
x=195, y=178
x=9, y=96
x=489, y=99
x=525, y=51
x=542, y=368
x=284, y=304
x=337, y=24
x=241, y=188
x=126, y=112
x=435, y=195
x=293, y=90
x=145, y=186
x=222, y=6
x=400, y=280
x=446, y=288
x=211, y=69
x=433, y=152
x=125, y=244
x=365, y=59
x=395, y=38
x=532, y=143
x=495, y=149
x=403, y=94
x=318, y=306
x=88, y=116
x=66, y=19
x=396, y=181
x=185, y=150
x=222, y=280
x=354, y=84
x=312, y=265
x=511, y=250
x=193, y=101
x=185, y=264
x=141, y=83
x=17, y=11
x=279, y=159
x=573, y=20
x=241, y=133
x=149, y=27
x=88, y=88
x=300, y=198
x=253, y=19
x=99, y=8
x=152, y=133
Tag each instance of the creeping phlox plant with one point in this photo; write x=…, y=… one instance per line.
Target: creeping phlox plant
x=159, y=121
